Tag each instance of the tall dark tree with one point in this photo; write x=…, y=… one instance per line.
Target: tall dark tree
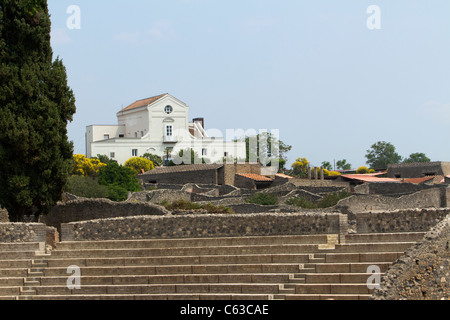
x=35, y=106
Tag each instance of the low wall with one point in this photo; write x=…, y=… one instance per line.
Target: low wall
x=23, y=232
x=431, y=198
x=89, y=209
x=411, y=220
x=201, y=226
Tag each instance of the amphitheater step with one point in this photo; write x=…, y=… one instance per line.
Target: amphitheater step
x=385, y=237
x=159, y=297
x=230, y=288
x=194, y=242
x=176, y=260
x=325, y=297
x=335, y=288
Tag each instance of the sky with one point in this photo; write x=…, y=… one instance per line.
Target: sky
x=334, y=77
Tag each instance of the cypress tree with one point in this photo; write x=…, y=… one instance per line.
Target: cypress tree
x=35, y=106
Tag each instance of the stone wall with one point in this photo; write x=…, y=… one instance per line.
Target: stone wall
x=418, y=170
x=410, y=220
x=431, y=198
x=89, y=209
x=201, y=226
x=423, y=273
x=4, y=215
x=23, y=232
x=390, y=188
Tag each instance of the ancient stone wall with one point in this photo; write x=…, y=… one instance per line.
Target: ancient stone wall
x=409, y=220
x=423, y=273
x=431, y=198
x=205, y=225
x=23, y=232
x=88, y=209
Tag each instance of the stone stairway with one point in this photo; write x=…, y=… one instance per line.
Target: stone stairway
x=256, y=268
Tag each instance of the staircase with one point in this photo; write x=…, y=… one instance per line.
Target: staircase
x=256, y=268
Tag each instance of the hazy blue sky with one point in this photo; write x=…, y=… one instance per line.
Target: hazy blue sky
x=312, y=69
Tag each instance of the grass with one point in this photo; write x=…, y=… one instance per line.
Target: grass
x=264, y=199
x=328, y=201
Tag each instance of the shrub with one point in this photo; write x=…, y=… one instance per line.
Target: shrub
x=264, y=199
x=137, y=164
x=86, y=167
x=362, y=170
x=119, y=181
x=86, y=187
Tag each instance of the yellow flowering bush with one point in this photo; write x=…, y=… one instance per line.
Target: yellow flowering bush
x=138, y=164
x=300, y=167
x=86, y=167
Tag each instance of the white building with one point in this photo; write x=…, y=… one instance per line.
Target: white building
x=160, y=126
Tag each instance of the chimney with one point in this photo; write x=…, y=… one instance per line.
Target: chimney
x=200, y=121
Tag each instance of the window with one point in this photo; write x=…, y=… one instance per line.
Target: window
x=204, y=152
x=121, y=136
x=169, y=131
x=134, y=152
x=112, y=155
x=168, y=109
x=106, y=137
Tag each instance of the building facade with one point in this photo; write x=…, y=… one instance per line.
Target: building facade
x=158, y=125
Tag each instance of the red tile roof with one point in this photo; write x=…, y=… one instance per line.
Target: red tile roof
x=144, y=102
x=282, y=175
x=255, y=177
x=368, y=178
x=418, y=180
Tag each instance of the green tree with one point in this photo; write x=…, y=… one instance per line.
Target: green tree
x=417, y=157
x=343, y=165
x=327, y=165
x=157, y=160
x=36, y=106
x=119, y=181
x=382, y=154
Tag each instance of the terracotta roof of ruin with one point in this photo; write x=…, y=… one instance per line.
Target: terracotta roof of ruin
x=255, y=177
x=368, y=178
x=184, y=168
x=282, y=175
x=144, y=102
x=418, y=180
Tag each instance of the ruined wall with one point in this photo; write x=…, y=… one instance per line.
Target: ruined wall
x=430, y=198
x=182, y=178
x=409, y=220
x=23, y=232
x=88, y=209
x=201, y=226
x=4, y=215
x=390, y=188
x=423, y=273
x=418, y=170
